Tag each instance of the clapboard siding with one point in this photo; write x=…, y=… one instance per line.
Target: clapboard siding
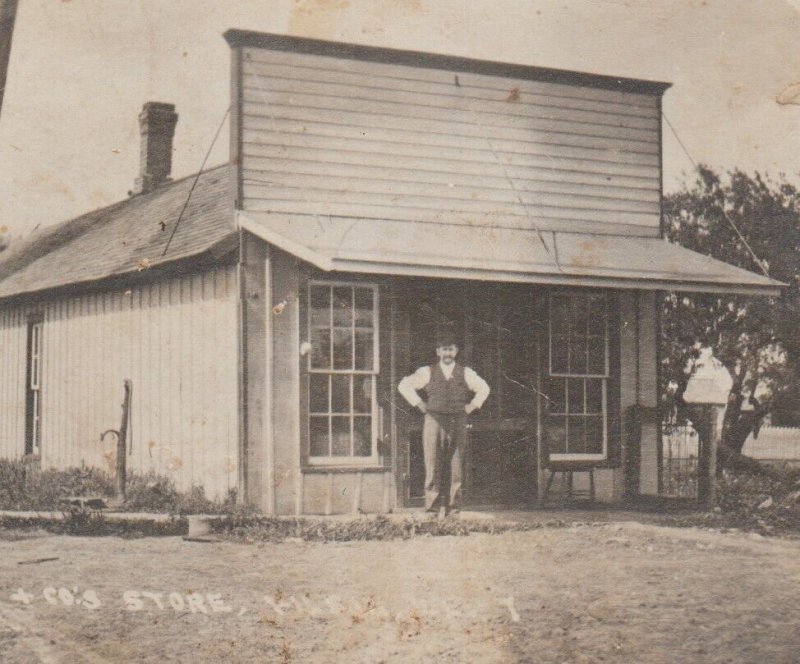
x=291, y=80
x=514, y=144
x=12, y=380
x=403, y=208
x=325, y=135
x=412, y=79
x=461, y=122
x=174, y=339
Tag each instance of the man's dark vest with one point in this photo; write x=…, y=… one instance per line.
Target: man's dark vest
x=447, y=396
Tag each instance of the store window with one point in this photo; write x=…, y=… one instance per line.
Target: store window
x=577, y=380
x=343, y=368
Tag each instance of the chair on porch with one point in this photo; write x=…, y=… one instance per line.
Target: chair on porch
x=567, y=470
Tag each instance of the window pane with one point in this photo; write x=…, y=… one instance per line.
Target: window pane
x=597, y=355
x=559, y=312
x=340, y=394
x=575, y=395
x=594, y=395
x=320, y=440
x=364, y=305
x=578, y=316
x=362, y=436
x=594, y=435
x=577, y=435
x=364, y=350
x=342, y=348
x=362, y=394
x=558, y=355
x=577, y=354
x=320, y=306
x=318, y=393
x=597, y=314
x=320, y=348
x=556, y=434
x=343, y=306
x=556, y=393
x=341, y=435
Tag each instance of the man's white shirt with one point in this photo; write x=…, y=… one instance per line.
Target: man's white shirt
x=410, y=385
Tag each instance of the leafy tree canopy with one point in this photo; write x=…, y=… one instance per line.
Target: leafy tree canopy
x=756, y=338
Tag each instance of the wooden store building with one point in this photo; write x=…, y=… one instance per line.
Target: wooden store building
x=265, y=310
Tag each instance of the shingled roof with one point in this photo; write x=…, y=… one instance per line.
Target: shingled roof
x=125, y=238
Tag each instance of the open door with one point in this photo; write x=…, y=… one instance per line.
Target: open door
x=499, y=328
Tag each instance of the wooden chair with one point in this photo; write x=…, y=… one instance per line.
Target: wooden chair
x=567, y=471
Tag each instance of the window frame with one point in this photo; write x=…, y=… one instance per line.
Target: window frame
x=604, y=377
x=34, y=354
x=375, y=412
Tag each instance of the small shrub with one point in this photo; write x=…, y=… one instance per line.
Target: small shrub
x=766, y=505
x=151, y=493
x=157, y=493
x=24, y=487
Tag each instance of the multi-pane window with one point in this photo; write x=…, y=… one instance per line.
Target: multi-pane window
x=33, y=389
x=577, y=381
x=343, y=365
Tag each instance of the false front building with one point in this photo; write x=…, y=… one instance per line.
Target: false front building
x=373, y=197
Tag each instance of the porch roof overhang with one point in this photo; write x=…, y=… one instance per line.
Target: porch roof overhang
x=486, y=252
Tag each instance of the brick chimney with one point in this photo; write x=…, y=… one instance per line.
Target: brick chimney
x=157, y=126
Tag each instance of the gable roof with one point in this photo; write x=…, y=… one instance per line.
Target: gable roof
x=125, y=238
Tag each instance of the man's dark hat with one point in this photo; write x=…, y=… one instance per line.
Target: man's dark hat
x=446, y=337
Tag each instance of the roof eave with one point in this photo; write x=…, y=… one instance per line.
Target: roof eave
x=217, y=254
x=246, y=38
x=576, y=280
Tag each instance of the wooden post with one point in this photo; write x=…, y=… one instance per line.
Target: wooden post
x=711, y=434
x=122, y=445
x=8, y=16
x=707, y=390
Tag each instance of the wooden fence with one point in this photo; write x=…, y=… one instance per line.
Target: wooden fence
x=680, y=446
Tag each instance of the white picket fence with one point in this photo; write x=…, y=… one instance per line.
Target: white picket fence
x=774, y=444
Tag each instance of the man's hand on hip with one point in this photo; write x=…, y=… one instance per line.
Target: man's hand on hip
x=470, y=408
x=423, y=407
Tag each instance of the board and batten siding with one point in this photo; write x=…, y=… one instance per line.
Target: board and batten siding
x=326, y=135
x=175, y=339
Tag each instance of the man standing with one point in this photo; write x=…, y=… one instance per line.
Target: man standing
x=448, y=385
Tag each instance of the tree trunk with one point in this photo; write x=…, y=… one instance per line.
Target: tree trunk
x=738, y=428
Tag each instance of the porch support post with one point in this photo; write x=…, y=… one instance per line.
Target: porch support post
x=626, y=477
x=649, y=462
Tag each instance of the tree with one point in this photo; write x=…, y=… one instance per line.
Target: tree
x=756, y=338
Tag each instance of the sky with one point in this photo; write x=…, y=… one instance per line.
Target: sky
x=80, y=71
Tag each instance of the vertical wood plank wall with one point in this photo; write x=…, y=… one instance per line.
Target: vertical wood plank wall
x=286, y=383
x=175, y=339
x=257, y=365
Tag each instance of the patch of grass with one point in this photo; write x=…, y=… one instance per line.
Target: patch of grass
x=156, y=493
x=765, y=505
x=25, y=487
x=251, y=529
x=87, y=524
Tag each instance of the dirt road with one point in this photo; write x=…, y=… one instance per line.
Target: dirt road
x=616, y=592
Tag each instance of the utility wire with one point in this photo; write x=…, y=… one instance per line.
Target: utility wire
x=724, y=214
x=194, y=184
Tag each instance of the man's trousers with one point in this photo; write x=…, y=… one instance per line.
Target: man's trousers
x=443, y=439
